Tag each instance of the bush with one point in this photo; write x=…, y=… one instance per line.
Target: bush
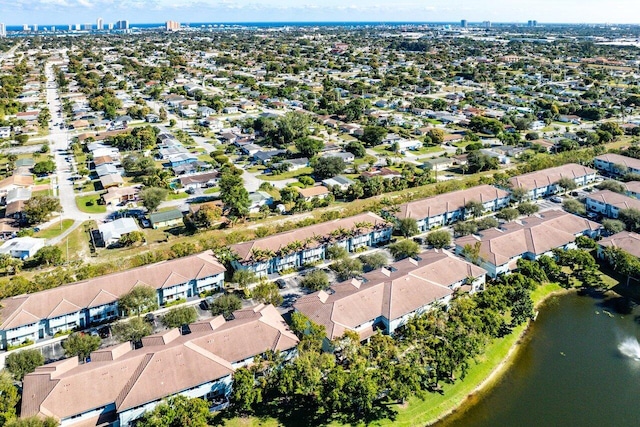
x=404, y=249
x=315, y=280
x=226, y=305
x=374, y=261
x=439, y=239
x=336, y=252
x=527, y=208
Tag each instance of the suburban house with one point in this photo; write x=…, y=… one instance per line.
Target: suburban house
x=609, y=203
x=119, y=383
x=93, y=301
x=342, y=182
x=117, y=195
x=544, y=182
x=306, y=245
x=8, y=228
x=497, y=250
x=15, y=181
x=387, y=298
x=259, y=199
x=166, y=218
x=22, y=247
x=616, y=164
x=438, y=164
x=112, y=231
x=207, y=179
x=448, y=208
x=625, y=240
x=308, y=194
x=382, y=172
x=111, y=180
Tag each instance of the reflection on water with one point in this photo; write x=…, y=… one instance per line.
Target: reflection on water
x=630, y=347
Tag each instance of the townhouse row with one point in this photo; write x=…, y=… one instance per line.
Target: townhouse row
x=94, y=301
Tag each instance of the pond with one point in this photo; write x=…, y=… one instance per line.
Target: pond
x=579, y=366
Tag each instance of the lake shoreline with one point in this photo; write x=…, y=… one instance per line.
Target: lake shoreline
x=501, y=368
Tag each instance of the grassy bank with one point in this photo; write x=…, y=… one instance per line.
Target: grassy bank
x=495, y=360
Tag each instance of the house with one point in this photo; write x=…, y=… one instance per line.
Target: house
x=166, y=218
x=548, y=145
x=205, y=111
x=342, y=182
x=15, y=210
x=8, y=228
x=103, y=160
x=106, y=169
x=26, y=162
x=22, y=247
x=292, y=249
x=625, y=240
x=93, y=301
x=111, y=180
x=112, y=231
x=120, y=383
x=498, y=249
x=263, y=157
x=610, y=203
x=450, y=138
x=182, y=159
x=5, y=132
x=250, y=149
x=382, y=172
x=387, y=298
x=544, y=182
x=202, y=180
x=438, y=164
x=447, y=208
x=633, y=189
x=118, y=195
x=259, y=199
x=502, y=157
x=345, y=156
x=616, y=164
x=15, y=181
x=17, y=194
x=294, y=164
x=316, y=192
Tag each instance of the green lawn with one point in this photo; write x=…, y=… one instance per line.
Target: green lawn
x=427, y=150
x=287, y=175
x=54, y=230
x=89, y=204
x=211, y=190
x=177, y=196
x=77, y=242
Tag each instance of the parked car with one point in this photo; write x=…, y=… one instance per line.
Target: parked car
x=556, y=199
x=145, y=222
x=281, y=283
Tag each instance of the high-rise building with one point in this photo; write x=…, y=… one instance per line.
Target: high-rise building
x=463, y=23
x=172, y=25
x=122, y=25
x=77, y=27
x=25, y=27
x=3, y=30
x=532, y=23
x=487, y=24
x=110, y=26
x=35, y=27
x=87, y=27
x=99, y=24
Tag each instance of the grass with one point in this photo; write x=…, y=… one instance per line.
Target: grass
x=211, y=190
x=77, y=241
x=287, y=175
x=55, y=230
x=177, y=196
x=89, y=204
x=427, y=150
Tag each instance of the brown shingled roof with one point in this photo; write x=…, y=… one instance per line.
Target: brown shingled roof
x=546, y=177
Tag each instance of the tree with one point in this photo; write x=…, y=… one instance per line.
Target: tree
x=479, y=162
x=613, y=226
x=44, y=167
x=356, y=148
x=612, y=185
x=404, y=249
x=465, y=228
x=519, y=194
x=527, y=208
x=38, y=208
x=567, y=184
x=631, y=218
x=206, y=216
x=9, y=398
x=291, y=127
x=234, y=194
x=373, y=135
x=48, y=255
x=347, y=268
x=474, y=207
x=177, y=411
x=309, y=147
x=244, y=278
x=315, y=280
x=336, y=252
x=436, y=136
x=328, y=167
x=152, y=197
x=225, y=305
x=573, y=206
x=23, y=362
x=245, y=391
x=81, y=345
x=374, y=261
x=34, y=421
x=129, y=239
x=267, y=293
x=141, y=297
x=407, y=227
x=508, y=214
x=180, y=316
x=133, y=329
x=439, y=239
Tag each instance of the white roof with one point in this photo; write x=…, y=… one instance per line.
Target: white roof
x=21, y=244
x=115, y=229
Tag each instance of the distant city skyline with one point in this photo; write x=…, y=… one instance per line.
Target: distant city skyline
x=64, y=12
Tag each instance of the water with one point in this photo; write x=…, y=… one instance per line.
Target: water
x=579, y=367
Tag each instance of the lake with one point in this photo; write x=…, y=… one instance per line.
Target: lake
x=579, y=366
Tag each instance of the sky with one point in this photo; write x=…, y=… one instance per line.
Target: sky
x=59, y=12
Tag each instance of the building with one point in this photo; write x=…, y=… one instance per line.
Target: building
x=316, y=192
x=625, y=240
x=387, y=298
x=112, y=231
x=202, y=180
x=307, y=245
x=22, y=247
x=342, y=182
x=438, y=164
x=532, y=23
x=122, y=25
x=616, y=164
x=609, y=203
x=119, y=384
x=3, y=30
x=543, y=183
x=463, y=23
x=166, y=218
x=448, y=208
x=172, y=26
x=82, y=304
x=99, y=24
x=497, y=250
x=632, y=189
x=119, y=195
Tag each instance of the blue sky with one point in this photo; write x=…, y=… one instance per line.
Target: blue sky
x=41, y=12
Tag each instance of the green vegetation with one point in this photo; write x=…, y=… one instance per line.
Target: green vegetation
x=55, y=230
x=90, y=204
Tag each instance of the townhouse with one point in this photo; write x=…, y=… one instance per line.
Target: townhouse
x=387, y=298
x=498, y=250
x=625, y=240
x=609, y=203
x=616, y=164
x=93, y=301
x=307, y=245
x=448, y=208
x=543, y=183
x=120, y=384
